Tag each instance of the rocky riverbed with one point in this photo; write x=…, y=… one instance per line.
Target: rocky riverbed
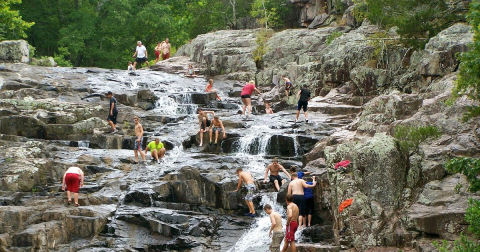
x=52, y=118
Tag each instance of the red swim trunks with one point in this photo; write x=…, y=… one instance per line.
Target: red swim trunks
x=157, y=54
x=73, y=182
x=291, y=229
x=165, y=56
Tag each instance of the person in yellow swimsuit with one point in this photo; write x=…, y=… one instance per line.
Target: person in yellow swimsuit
x=157, y=150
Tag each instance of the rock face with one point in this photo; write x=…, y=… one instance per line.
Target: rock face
x=14, y=51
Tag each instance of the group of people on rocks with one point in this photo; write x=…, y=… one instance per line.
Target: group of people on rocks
x=299, y=201
x=141, y=55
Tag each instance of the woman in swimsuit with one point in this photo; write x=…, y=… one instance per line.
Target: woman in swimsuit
x=246, y=96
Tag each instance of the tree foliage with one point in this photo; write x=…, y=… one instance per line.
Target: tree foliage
x=11, y=24
x=468, y=82
x=470, y=167
x=410, y=138
x=418, y=20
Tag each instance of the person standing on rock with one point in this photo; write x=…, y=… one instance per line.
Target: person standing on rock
x=292, y=224
x=275, y=177
x=138, y=140
x=246, y=96
x=276, y=228
x=112, y=113
x=209, y=88
x=216, y=127
x=304, y=95
x=288, y=85
x=72, y=182
x=295, y=188
x=250, y=185
x=158, y=50
x=157, y=149
x=165, y=49
x=309, y=203
x=141, y=55
x=203, y=122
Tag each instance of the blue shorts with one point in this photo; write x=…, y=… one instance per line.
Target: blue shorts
x=138, y=145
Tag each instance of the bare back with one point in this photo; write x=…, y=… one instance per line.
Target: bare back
x=75, y=170
x=246, y=176
x=296, y=186
x=292, y=210
x=278, y=222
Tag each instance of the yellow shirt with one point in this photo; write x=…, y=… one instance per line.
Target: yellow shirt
x=153, y=146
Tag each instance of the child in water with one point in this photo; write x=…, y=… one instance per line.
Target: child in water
x=130, y=66
x=190, y=72
x=268, y=110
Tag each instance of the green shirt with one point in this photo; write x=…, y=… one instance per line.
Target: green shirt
x=153, y=146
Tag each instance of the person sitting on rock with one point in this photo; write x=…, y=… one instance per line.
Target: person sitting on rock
x=72, y=182
x=217, y=127
x=209, y=89
x=300, y=174
x=190, y=72
x=138, y=140
x=275, y=177
x=203, y=122
x=288, y=85
x=250, y=185
x=130, y=66
x=295, y=188
x=157, y=150
x=268, y=109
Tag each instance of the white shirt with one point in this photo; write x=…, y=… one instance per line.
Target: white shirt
x=141, y=51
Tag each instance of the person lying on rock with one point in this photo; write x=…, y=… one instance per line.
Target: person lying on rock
x=190, y=72
x=216, y=127
x=295, y=188
x=138, y=140
x=157, y=150
x=72, y=182
x=203, y=122
x=268, y=109
x=276, y=228
x=250, y=185
x=209, y=88
x=275, y=177
x=300, y=174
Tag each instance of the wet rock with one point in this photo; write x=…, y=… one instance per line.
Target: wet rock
x=14, y=51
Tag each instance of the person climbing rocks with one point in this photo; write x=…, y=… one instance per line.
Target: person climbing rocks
x=300, y=174
x=303, y=96
x=203, y=122
x=288, y=85
x=158, y=50
x=309, y=203
x=275, y=177
x=190, y=72
x=292, y=224
x=246, y=96
x=295, y=188
x=112, y=112
x=140, y=55
x=209, y=88
x=138, y=140
x=72, y=182
x=250, y=185
x=268, y=109
x=157, y=150
x=165, y=49
x=216, y=127
x=276, y=229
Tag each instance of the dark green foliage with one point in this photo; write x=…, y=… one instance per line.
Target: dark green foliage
x=418, y=20
x=462, y=245
x=468, y=82
x=12, y=26
x=470, y=167
x=410, y=138
x=473, y=217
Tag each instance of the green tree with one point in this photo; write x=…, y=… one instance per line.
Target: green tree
x=11, y=24
x=418, y=20
x=468, y=82
x=272, y=13
x=410, y=138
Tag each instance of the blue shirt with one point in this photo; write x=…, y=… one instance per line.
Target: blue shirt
x=300, y=174
x=307, y=192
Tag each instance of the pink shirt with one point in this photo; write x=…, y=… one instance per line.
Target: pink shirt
x=248, y=89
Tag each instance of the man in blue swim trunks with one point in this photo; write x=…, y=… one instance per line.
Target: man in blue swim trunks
x=250, y=185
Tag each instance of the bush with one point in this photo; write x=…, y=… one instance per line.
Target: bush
x=61, y=57
x=263, y=35
x=332, y=36
x=470, y=167
x=410, y=138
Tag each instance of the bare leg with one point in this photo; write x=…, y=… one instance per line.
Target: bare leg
x=155, y=154
x=251, y=209
x=298, y=113
x=75, y=197
x=161, y=153
x=285, y=246
x=216, y=136
x=293, y=248
x=249, y=105
x=136, y=155
x=300, y=221
x=286, y=93
x=306, y=115
x=201, y=137
x=148, y=65
x=134, y=65
x=309, y=220
x=244, y=105
x=112, y=125
x=276, y=185
x=69, y=196
x=210, y=132
x=141, y=153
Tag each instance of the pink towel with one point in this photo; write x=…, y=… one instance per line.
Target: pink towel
x=343, y=163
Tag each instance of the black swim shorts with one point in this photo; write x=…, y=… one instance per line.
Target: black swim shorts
x=246, y=96
x=303, y=104
x=112, y=118
x=299, y=200
x=276, y=177
x=141, y=60
x=205, y=126
x=309, y=206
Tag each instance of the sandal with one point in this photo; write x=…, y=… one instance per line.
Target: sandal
x=76, y=204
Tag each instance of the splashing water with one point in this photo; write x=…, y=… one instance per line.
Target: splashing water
x=256, y=238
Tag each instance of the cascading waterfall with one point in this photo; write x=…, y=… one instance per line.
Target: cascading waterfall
x=256, y=238
x=172, y=105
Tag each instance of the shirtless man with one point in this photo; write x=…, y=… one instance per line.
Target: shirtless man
x=274, y=168
x=247, y=177
x=203, y=122
x=295, y=188
x=138, y=140
x=216, y=126
x=288, y=85
x=292, y=224
x=276, y=227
